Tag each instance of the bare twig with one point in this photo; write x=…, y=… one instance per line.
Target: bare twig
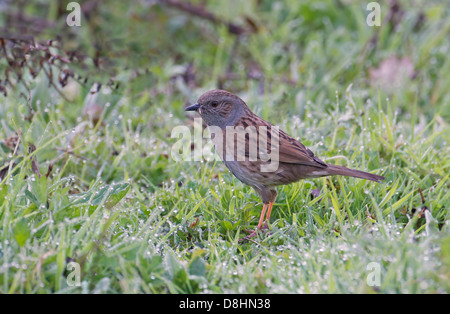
x=203, y=13
x=421, y=195
x=34, y=164
x=50, y=80
x=30, y=116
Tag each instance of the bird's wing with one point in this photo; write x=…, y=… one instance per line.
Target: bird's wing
x=294, y=152
x=288, y=150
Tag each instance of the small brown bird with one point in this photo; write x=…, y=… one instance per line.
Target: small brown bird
x=258, y=153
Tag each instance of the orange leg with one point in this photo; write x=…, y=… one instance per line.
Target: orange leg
x=269, y=212
x=261, y=218
x=260, y=224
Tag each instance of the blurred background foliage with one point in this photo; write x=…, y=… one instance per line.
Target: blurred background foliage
x=283, y=47
x=86, y=115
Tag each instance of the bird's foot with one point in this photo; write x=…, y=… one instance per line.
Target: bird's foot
x=254, y=233
x=265, y=226
x=250, y=236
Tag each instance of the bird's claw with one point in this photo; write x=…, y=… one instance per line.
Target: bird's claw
x=248, y=237
x=253, y=233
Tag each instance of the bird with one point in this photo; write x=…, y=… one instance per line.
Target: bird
x=263, y=165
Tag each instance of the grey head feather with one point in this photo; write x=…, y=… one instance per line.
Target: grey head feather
x=221, y=108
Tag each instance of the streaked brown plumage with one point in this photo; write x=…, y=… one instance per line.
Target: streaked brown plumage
x=221, y=110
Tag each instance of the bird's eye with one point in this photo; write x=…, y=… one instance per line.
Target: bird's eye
x=214, y=104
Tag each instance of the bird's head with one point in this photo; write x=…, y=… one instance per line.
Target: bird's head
x=219, y=107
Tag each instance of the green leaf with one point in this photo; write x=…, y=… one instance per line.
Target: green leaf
x=172, y=264
x=39, y=189
x=388, y=196
x=399, y=203
x=228, y=225
x=32, y=198
x=3, y=192
x=116, y=193
x=197, y=267
x=21, y=232
x=180, y=277
x=109, y=195
x=175, y=269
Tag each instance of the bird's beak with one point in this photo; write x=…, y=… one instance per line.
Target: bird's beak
x=194, y=107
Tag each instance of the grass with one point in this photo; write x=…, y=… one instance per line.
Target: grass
x=111, y=199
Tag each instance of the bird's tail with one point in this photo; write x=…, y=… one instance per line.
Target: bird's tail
x=343, y=171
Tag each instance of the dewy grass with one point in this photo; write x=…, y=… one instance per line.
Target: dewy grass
x=113, y=213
